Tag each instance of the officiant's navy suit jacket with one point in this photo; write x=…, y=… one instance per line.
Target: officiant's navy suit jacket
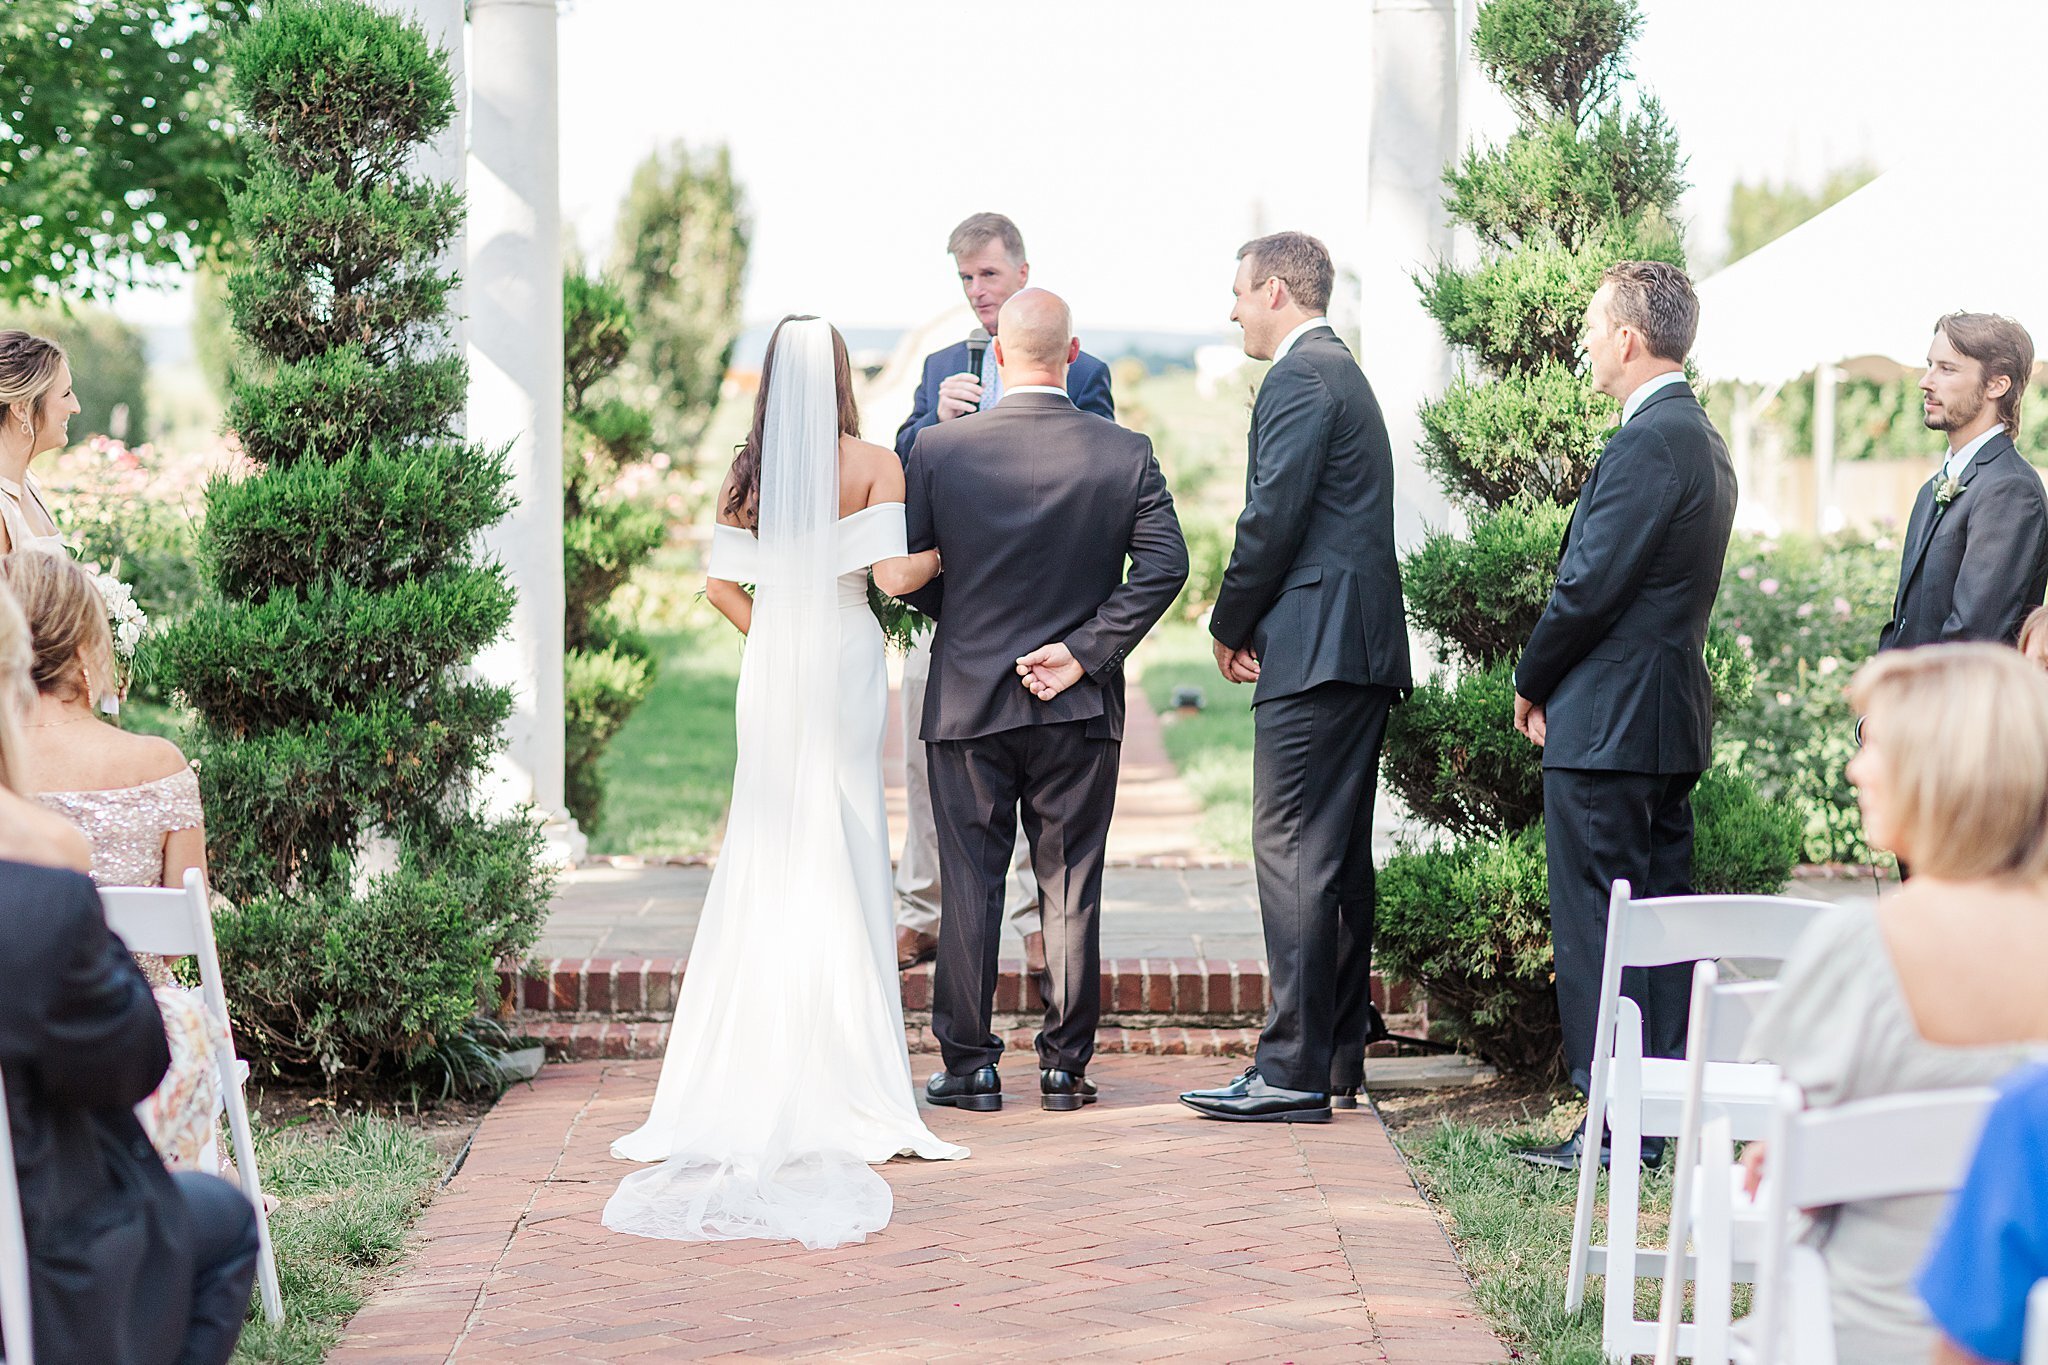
x=1618, y=659
x=1087, y=385
x=1974, y=569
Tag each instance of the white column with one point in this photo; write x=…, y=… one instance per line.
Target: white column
x=515, y=379
x=447, y=157
x=1413, y=134
x=1827, y=516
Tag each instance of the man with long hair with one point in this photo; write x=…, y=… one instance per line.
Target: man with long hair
x=1976, y=555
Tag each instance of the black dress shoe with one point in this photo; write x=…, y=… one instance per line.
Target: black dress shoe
x=1064, y=1090
x=980, y=1091
x=1566, y=1155
x=1344, y=1096
x=1249, y=1099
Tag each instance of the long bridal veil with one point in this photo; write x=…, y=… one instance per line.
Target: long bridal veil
x=759, y=1121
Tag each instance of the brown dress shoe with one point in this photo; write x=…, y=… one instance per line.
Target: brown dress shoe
x=913, y=947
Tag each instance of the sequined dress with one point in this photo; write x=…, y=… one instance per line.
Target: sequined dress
x=127, y=827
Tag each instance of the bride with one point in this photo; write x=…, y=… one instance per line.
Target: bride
x=786, y=1074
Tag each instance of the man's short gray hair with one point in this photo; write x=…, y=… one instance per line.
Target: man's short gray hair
x=1655, y=301
x=1298, y=261
x=978, y=231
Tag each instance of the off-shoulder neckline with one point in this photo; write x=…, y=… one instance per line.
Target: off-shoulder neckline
x=849, y=517
x=132, y=787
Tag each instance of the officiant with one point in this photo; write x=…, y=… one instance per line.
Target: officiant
x=988, y=252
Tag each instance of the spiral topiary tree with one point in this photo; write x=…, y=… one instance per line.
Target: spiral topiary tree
x=345, y=592
x=606, y=667
x=1583, y=182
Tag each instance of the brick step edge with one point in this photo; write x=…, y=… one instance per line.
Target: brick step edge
x=644, y=989
x=597, y=1040
x=592, y=1040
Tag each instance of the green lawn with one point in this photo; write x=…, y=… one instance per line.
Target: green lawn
x=1212, y=749
x=668, y=772
x=1512, y=1226
x=347, y=1200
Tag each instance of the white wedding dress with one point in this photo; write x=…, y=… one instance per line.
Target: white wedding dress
x=786, y=1074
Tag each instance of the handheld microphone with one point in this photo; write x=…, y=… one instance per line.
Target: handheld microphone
x=977, y=347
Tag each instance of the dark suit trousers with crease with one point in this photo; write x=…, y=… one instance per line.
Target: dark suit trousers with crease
x=1315, y=774
x=1063, y=784
x=1598, y=826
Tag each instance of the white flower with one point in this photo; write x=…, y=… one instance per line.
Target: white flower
x=125, y=620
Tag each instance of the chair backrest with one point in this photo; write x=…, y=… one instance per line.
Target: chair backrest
x=1651, y=933
x=153, y=919
x=16, y=1345
x=1920, y=1142
x=1735, y=1007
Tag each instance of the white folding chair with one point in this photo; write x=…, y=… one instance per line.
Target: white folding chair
x=1702, y=1185
x=2035, y=1348
x=1635, y=1096
x=180, y=924
x=16, y=1347
x=1883, y=1148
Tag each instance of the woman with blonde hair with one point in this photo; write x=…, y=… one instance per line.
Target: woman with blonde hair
x=1938, y=985
x=137, y=802
x=36, y=407
x=28, y=833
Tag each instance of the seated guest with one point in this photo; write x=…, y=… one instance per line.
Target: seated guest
x=128, y=1264
x=1995, y=1247
x=1953, y=777
x=136, y=800
x=28, y=833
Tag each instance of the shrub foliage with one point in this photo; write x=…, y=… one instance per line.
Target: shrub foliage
x=606, y=668
x=1585, y=181
x=345, y=595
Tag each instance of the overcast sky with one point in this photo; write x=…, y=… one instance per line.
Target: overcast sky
x=1139, y=146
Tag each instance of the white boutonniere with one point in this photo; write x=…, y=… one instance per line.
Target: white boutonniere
x=1947, y=491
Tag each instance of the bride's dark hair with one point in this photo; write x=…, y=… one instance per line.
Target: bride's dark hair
x=741, y=501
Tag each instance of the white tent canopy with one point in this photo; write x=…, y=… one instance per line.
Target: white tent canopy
x=1860, y=284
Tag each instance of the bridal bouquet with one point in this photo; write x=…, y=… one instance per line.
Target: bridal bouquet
x=901, y=623
x=125, y=621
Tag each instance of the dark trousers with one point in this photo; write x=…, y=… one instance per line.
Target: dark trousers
x=223, y=1263
x=1315, y=773
x=1065, y=784
x=1598, y=826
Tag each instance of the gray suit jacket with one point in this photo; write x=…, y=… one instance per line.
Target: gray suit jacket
x=1618, y=658
x=1034, y=506
x=1313, y=584
x=1974, y=569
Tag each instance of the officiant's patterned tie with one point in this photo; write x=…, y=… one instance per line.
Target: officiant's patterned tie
x=991, y=381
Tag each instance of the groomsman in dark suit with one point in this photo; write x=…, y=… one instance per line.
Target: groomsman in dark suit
x=1310, y=611
x=1976, y=554
x=988, y=252
x=1613, y=683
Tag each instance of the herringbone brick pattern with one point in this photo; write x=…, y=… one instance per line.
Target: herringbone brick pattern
x=1130, y=1231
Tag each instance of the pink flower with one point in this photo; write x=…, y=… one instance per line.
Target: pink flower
x=1746, y=572
x=1769, y=587
x=1805, y=610
x=1842, y=608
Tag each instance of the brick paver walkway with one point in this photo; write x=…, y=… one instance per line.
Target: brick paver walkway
x=1130, y=1231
